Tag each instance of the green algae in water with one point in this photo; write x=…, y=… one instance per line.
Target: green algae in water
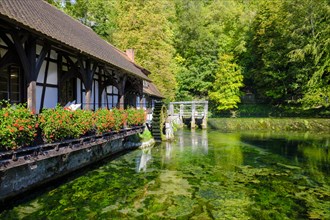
x=199, y=176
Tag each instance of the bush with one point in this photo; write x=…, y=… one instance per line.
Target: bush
x=104, y=120
x=56, y=124
x=83, y=122
x=120, y=116
x=18, y=126
x=135, y=117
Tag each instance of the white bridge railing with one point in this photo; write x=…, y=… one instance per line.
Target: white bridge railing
x=196, y=110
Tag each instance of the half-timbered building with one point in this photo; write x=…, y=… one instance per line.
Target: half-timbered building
x=47, y=57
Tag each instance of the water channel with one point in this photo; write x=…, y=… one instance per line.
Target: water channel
x=200, y=175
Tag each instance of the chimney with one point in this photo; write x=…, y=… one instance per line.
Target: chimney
x=130, y=54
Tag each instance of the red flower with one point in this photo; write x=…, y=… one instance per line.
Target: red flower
x=21, y=128
x=6, y=114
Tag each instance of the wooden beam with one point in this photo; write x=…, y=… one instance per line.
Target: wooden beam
x=6, y=39
x=45, y=50
x=8, y=58
x=44, y=86
x=22, y=55
x=121, y=92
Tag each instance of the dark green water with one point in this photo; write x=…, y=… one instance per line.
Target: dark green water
x=201, y=175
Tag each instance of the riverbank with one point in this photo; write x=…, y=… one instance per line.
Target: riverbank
x=274, y=124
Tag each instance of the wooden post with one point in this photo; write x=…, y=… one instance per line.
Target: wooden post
x=171, y=109
x=193, y=110
x=121, y=95
x=141, y=102
x=181, y=114
x=87, y=75
x=31, y=96
x=88, y=95
x=204, y=123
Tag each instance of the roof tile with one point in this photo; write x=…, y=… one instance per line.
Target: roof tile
x=47, y=20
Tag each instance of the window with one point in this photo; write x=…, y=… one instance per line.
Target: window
x=67, y=92
x=10, y=84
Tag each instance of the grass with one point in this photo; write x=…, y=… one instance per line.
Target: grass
x=275, y=124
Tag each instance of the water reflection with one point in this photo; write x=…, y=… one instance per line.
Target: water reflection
x=301, y=149
x=141, y=162
x=168, y=150
x=200, y=175
x=198, y=140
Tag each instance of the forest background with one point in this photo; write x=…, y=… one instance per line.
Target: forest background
x=257, y=56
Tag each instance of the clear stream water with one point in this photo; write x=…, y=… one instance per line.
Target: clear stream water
x=200, y=175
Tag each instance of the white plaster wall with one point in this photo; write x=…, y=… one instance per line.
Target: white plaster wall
x=78, y=91
x=2, y=43
x=115, y=90
x=38, y=49
x=96, y=94
x=115, y=100
x=53, y=54
x=50, y=98
x=65, y=68
x=2, y=52
x=52, y=73
x=41, y=74
x=104, y=99
x=73, y=59
x=11, y=39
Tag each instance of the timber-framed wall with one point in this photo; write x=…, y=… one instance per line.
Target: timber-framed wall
x=48, y=75
x=49, y=71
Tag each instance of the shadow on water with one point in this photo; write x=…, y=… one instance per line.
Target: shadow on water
x=45, y=188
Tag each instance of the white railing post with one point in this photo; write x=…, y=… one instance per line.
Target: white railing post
x=193, y=110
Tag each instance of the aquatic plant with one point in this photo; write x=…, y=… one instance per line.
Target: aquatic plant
x=233, y=179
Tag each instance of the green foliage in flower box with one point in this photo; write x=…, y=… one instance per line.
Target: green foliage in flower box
x=135, y=116
x=120, y=116
x=83, y=122
x=56, y=124
x=18, y=126
x=104, y=120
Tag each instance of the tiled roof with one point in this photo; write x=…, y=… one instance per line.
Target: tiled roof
x=152, y=91
x=45, y=19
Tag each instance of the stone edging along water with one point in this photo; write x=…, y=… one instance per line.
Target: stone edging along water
x=29, y=171
x=275, y=124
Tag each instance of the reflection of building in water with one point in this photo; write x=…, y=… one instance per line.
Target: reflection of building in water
x=141, y=162
x=199, y=141
x=194, y=140
x=181, y=139
x=205, y=142
x=168, y=151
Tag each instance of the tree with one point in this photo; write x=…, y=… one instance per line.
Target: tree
x=289, y=49
x=145, y=26
x=100, y=15
x=226, y=88
x=196, y=43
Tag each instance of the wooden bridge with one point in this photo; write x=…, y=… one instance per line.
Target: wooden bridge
x=191, y=113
